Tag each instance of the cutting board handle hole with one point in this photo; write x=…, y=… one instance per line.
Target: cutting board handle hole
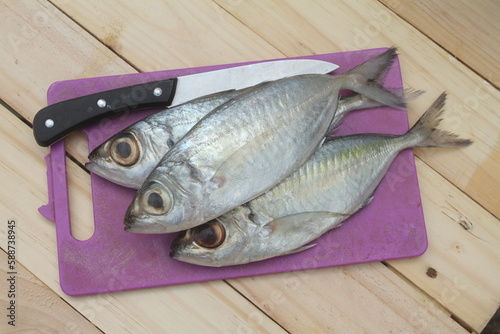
x=79, y=194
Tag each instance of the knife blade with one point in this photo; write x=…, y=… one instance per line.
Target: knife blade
x=55, y=121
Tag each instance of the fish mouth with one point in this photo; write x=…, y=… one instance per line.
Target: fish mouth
x=173, y=252
x=93, y=167
x=177, y=244
x=134, y=226
x=131, y=228
x=131, y=224
x=89, y=165
x=144, y=229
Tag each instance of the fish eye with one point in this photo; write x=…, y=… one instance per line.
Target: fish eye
x=209, y=235
x=125, y=149
x=156, y=200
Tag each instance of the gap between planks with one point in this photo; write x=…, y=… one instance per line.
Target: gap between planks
x=255, y=305
x=433, y=300
x=254, y=31
x=65, y=303
x=94, y=36
x=15, y=113
x=440, y=45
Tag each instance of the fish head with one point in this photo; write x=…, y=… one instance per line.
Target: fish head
x=238, y=238
x=128, y=157
x=223, y=241
x=168, y=201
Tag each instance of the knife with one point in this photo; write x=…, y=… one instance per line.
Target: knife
x=55, y=121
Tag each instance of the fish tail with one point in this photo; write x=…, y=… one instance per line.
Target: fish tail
x=425, y=132
x=363, y=79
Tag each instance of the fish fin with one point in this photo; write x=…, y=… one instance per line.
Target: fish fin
x=359, y=101
x=413, y=94
x=380, y=94
x=363, y=79
x=426, y=133
x=301, y=249
x=365, y=203
x=322, y=142
x=348, y=104
x=376, y=67
x=313, y=221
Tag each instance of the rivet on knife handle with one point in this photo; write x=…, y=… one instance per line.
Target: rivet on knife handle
x=58, y=120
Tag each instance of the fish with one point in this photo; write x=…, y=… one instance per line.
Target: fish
x=336, y=182
x=247, y=145
x=128, y=157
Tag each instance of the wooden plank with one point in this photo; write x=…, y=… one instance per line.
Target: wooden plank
x=41, y=46
x=463, y=251
x=473, y=103
x=213, y=306
x=467, y=29
x=159, y=37
x=36, y=306
x=365, y=298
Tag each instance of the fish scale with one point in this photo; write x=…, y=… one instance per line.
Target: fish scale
x=342, y=164
x=282, y=129
x=246, y=146
x=248, y=127
x=332, y=185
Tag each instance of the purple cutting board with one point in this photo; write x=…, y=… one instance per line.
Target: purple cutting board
x=390, y=227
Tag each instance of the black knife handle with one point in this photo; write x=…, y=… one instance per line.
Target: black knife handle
x=58, y=120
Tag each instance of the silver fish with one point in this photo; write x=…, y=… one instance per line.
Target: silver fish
x=246, y=146
x=128, y=157
x=336, y=182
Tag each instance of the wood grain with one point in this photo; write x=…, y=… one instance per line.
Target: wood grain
x=37, y=307
x=469, y=30
x=43, y=46
x=344, y=300
x=159, y=39
x=462, y=240
x=458, y=187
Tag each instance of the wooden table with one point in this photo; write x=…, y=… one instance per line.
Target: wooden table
x=453, y=46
